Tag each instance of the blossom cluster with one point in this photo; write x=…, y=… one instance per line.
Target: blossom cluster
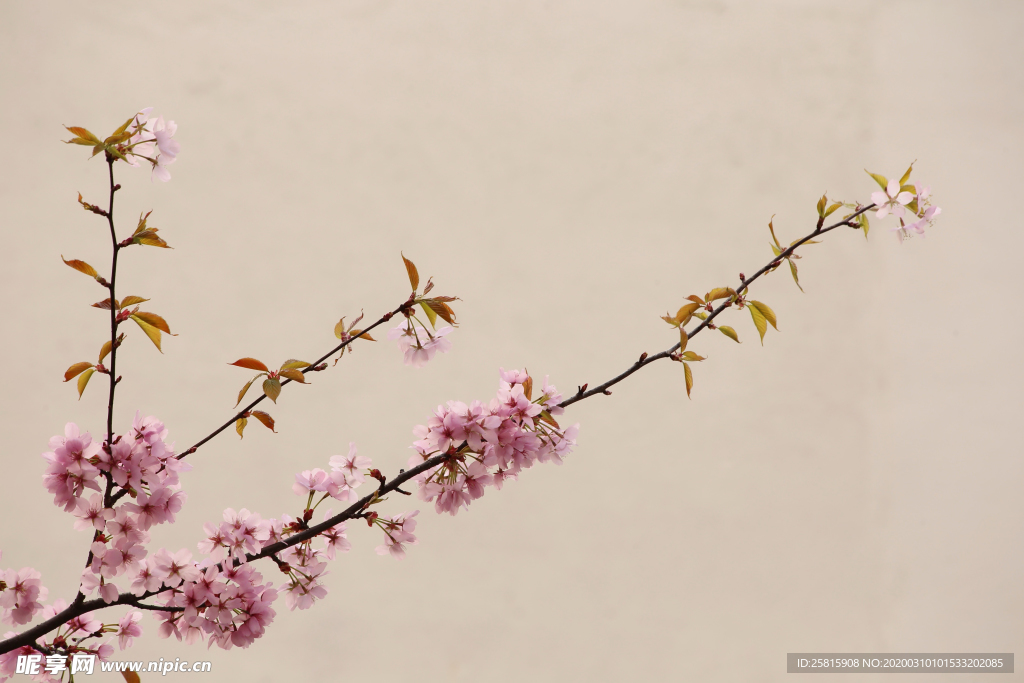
x=897, y=197
x=222, y=598
x=488, y=444
x=417, y=343
x=153, y=141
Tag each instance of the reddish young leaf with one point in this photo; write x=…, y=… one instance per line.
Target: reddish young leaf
x=105, y=304
x=81, y=267
x=251, y=364
x=528, y=388
x=293, y=375
x=293, y=364
x=147, y=235
x=414, y=276
x=82, y=136
x=77, y=369
x=131, y=301
x=153, y=319
x=683, y=339
x=267, y=421
x=442, y=309
x=545, y=416
x=105, y=349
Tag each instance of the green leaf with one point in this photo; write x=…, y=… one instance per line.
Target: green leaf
x=83, y=379
x=720, y=293
x=772, y=229
x=690, y=355
x=240, y=426
x=729, y=332
x=832, y=209
x=766, y=311
x=689, y=377
x=792, y=269
x=152, y=332
x=77, y=369
x=431, y=315
x=906, y=176
x=821, y=206
x=272, y=388
x=414, y=276
x=759, y=321
x=880, y=179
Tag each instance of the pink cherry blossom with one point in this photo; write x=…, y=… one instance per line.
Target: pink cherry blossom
x=91, y=514
x=128, y=629
x=351, y=465
x=146, y=578
x=175, y=568
x=23, y=596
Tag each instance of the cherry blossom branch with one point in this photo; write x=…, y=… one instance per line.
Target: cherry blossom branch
x=313, y=367
x=77, y=609
x=646, y=360
x=351, y=511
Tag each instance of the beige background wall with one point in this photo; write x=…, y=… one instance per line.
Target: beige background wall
x=571, y=170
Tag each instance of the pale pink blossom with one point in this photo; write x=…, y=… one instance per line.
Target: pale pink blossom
x=892, y=200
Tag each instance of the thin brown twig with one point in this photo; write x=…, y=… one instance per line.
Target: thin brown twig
x=771, y=265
